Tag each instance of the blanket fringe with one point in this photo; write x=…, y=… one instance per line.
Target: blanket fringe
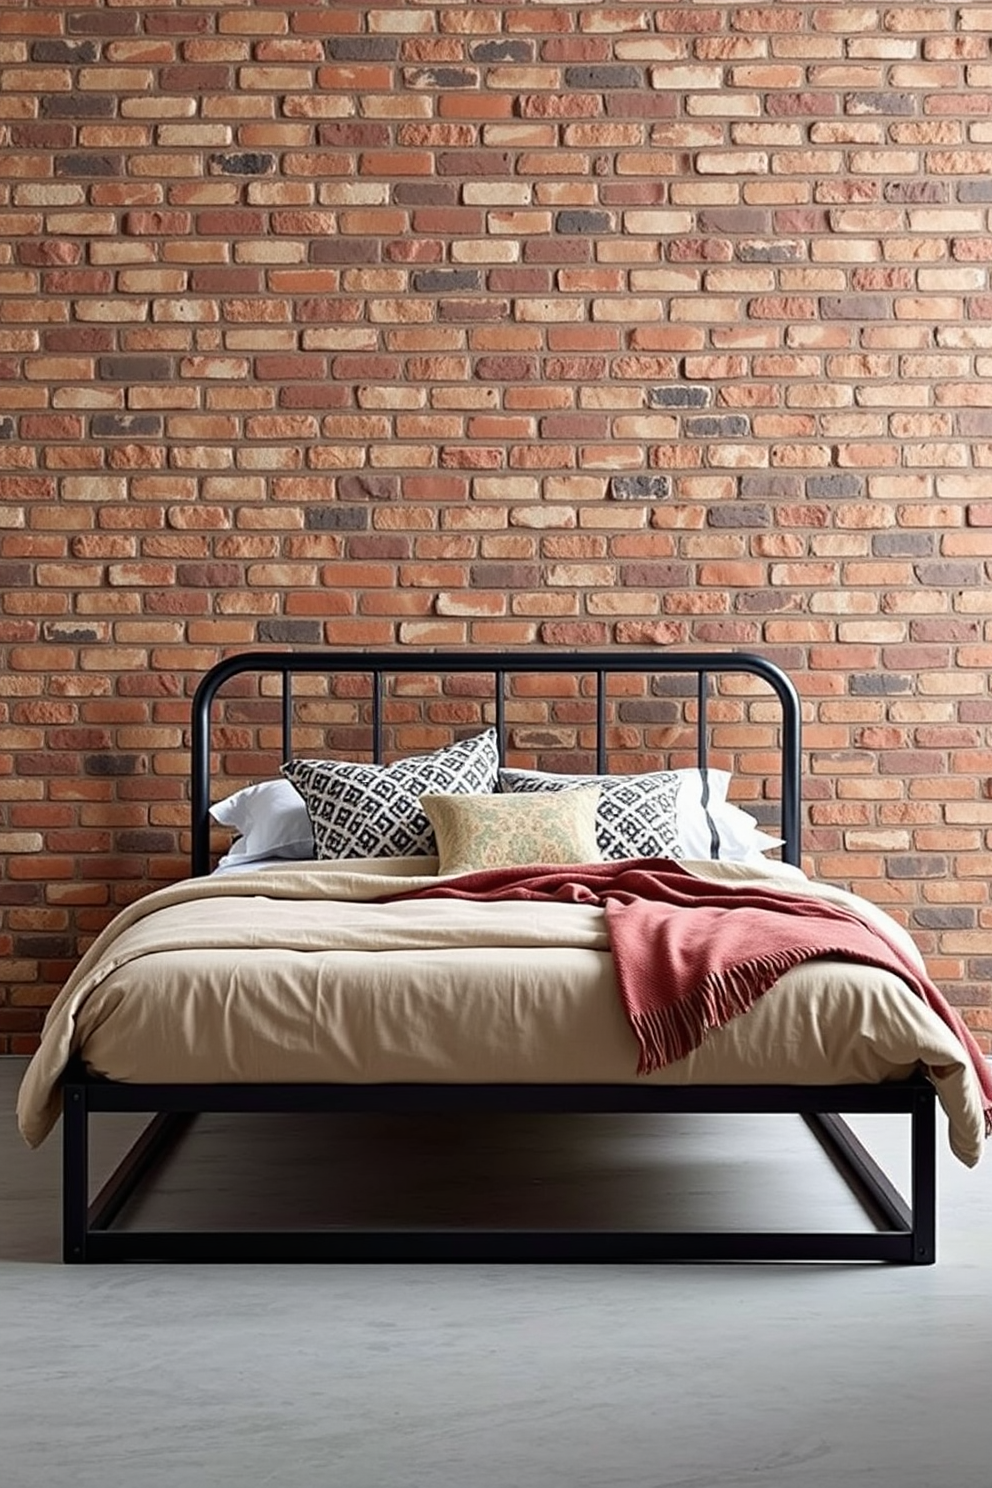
x=671, y=1032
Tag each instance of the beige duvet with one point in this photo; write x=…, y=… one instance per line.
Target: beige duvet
x=298, y=974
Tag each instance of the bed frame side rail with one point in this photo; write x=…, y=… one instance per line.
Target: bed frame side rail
x=905, y=1231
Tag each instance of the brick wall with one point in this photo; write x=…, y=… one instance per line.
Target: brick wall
x=501, y=324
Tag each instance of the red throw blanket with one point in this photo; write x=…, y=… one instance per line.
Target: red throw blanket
x=680, y=974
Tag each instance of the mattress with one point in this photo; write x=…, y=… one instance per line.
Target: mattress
x=303, y=973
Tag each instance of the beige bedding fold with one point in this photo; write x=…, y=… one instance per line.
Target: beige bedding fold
x=299, y=974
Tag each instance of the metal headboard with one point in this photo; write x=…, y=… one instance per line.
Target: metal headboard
x=380, y=665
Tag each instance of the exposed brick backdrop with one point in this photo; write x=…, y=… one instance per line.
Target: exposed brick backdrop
x=444, y=324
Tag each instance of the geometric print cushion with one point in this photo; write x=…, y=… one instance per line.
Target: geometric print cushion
x=373, y=811
x=637, y=815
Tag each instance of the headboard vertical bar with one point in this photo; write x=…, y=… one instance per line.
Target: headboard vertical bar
x=702, y=729
x=500, y=684
x=377, y=716
x=600, y=722
x=287, y=716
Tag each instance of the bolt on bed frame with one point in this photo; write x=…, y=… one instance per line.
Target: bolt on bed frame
x=904, y=1232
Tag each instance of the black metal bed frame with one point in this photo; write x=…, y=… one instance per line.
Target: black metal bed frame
x=903, y=1231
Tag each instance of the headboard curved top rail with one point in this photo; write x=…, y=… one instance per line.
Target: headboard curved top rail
x=379, y=665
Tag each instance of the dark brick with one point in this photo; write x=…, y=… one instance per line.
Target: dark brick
x=975, y=421
x=125, y=425
x=426, y=194
x=77, y=105
x=254, y=163
x=7, y=427
x=762, y=486
x=26, y=893
x=504, y=576
x=353, y=133
x=655, y=573
x=132, y=369
x=855, y=307
x=574, y=221
x=380, y=547
x=639, y=487
x=879, y=684
x=441, y=77
x=474, y=163
x=766, y=601
x=315, y=395
x=145, y=840
x=640, y=104
x=751, y=220
x=949, y=575
x=64, y=51
x=89, y=165
x=361, y=487
x=344, y=250
x=200, y=77
x=519, y=281
x=917, y=865
x=775, y=252
x=596, y=77
x=335, y=518
x=78, y=338
x=16, y=575
x=444, y=281
x=648, y=711
x=35, y=136
x=114, y=764
x=738, y=514
x=226, y=280
x=880, y=103
x=103, y=22
x=928, y=632
x=800, y=105
x=903, y=544
x=557, y=250
x=679, y=395
x=469, y=310
x=502, y=51
x=40, y=947
x=928, y=192
x=208, y=575
x=362, y=48
x=727, y=426
x=506, y=369
x=846, y=486
x=291, y=632
x=944, y=919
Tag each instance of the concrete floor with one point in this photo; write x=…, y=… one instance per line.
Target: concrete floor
x=497, y=1377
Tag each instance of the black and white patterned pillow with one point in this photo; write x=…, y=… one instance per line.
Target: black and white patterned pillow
x=373, y=811
x=639, y=816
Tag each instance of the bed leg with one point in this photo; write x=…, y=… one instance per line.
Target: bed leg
x=924, y=1177
x=75, y=1173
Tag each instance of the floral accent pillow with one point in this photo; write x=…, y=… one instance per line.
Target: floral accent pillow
x=504, y=831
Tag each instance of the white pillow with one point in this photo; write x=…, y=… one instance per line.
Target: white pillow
x=271, y=821
x=663, y=814
x=374, y=811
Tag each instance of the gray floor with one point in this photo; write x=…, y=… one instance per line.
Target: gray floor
x=487, y=1376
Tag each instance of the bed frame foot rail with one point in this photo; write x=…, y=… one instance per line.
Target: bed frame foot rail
x=905, y=1231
